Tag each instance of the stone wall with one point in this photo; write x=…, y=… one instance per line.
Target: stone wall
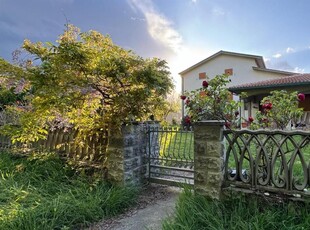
x=127, y=154
x=209, y=158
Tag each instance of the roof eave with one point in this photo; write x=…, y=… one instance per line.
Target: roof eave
x=274, y=71
x=200, y=63
x=258, y=59
x=242, y=89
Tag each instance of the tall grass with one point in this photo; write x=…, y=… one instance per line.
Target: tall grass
x=41, y=192
x=241, y=213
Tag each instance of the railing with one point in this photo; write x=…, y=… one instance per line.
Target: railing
x=91, y=148
x=176, y=146
x=171, y=155
x=268, y=161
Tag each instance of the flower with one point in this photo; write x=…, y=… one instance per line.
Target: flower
x=251, y=119
x=187, y=120
x=205, y=84
x=237, y=113
x=183, y=97
x=301, y=97
x=267, y=106
x=227, y=124
x=211, y=101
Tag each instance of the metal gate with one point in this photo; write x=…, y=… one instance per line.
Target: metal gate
x=171, y=156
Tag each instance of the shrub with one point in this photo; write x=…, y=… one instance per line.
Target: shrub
x=212, y=102
x=278, y=110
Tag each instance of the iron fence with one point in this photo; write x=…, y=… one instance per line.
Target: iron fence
x=268, y=161
x=171, y=155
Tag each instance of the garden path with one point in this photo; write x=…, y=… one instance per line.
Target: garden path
x=155, y=203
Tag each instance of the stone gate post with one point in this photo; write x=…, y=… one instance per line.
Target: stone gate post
x=127, y=154
x=209, y=158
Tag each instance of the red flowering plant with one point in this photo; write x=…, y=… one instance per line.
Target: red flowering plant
x=212, y=102
x=278, y=110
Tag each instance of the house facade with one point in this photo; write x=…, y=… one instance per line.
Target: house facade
x=243, y=68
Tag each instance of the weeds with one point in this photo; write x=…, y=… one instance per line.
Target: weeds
x=197, y=212
x=41, y=192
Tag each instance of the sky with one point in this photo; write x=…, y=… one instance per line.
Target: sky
x=183, y=32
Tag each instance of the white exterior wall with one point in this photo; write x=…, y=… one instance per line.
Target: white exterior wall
x=242, y=73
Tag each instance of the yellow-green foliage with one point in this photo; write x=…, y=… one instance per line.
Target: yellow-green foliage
x=87, y=80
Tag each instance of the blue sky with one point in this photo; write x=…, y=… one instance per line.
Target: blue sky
x=182, y=32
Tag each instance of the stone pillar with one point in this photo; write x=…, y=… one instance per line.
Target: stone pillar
x=127, y=154
x=209, y=158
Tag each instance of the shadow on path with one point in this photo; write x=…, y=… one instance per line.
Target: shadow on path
x=155, y=203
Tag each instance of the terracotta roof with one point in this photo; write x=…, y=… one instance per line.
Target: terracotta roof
x=293, y=80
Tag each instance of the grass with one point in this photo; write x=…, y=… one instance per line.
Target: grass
x=176, y=144
x=41, y=192
x=240, y=213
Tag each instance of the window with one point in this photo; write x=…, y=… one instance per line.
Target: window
x=202, y=94
x=229, y=72
x=202, y=75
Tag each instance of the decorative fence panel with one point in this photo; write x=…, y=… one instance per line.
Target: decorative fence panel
x=268, y=161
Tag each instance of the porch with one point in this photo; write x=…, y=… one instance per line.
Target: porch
x=258, y=90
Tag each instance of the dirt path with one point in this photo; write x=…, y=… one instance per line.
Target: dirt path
x=155, y=203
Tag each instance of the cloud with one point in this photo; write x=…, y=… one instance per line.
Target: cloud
x=278, y=55
x=158, y=26
x=194, y=1
x=218, y=11
x=137, y=19
x=299, y=70
x=285, y=66
x=290, y=50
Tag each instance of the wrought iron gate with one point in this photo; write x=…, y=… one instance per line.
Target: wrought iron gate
x=171, y=156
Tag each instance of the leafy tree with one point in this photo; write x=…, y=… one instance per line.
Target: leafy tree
x=87, y=80
x=162, y=109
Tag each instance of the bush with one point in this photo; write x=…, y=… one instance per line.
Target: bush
x=212, y=102
x=278, y=109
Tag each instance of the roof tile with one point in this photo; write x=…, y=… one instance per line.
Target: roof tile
x=294, y=79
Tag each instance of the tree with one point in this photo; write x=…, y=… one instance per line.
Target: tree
x=170, y=105
x=87, y=80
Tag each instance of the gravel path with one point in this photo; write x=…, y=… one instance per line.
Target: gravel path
x=155, y=203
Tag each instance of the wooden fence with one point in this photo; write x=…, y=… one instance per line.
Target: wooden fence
x=90, y=148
